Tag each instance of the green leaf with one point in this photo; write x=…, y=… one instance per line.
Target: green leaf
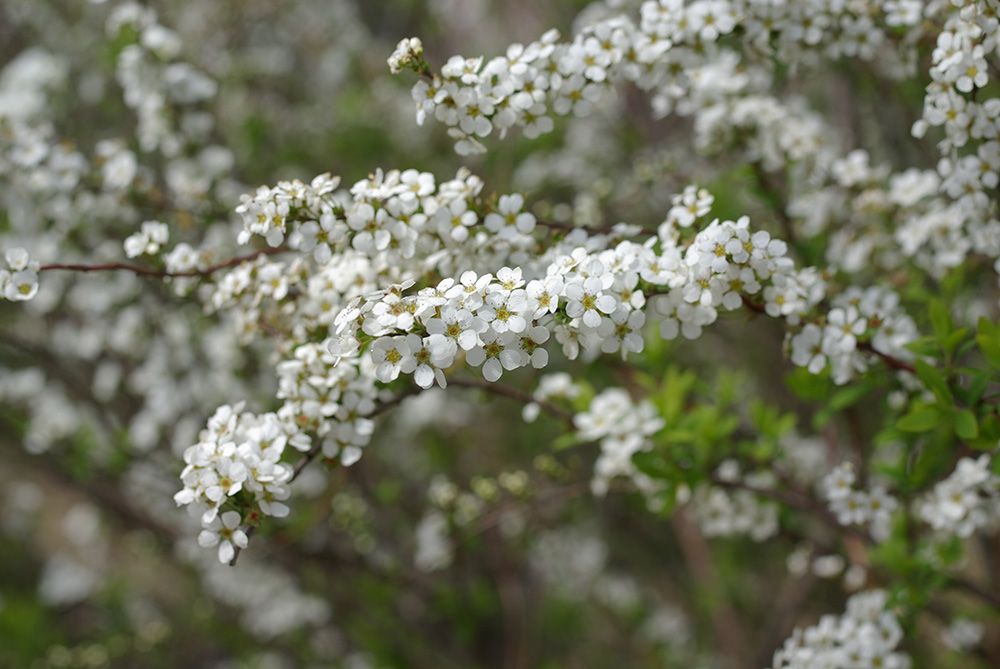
x=565, y=441
x=966, y=425
x=986, y=328
x=952, y=341
x=926, y=346
x=940, y=320
x=809, y=387
x=977, y=387
x=989, y=433
x=921, y=418
x=849, y=396
x=935, y=381
x=990, y=348
x=652, y=464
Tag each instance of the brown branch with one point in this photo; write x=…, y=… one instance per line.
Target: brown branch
x=569, y=227
x=730, y=636
x=973, y=589
x=145, y=271
x=891, y=361
x=514, y=394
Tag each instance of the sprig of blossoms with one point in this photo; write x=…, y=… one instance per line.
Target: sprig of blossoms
x=588, y=293
x=965, y=502
x=20, y=281
x=672, y=52
x=148, y=240
x=852, y=506
x=866, y=634
x=623, y=428
x=722, y=512
x=234, y=475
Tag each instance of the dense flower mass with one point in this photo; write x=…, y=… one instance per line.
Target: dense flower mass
x=736, y=257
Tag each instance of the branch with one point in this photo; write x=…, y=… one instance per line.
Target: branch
x=145, y=271
x=895, y=363
x=569, y=227
x=514, y=394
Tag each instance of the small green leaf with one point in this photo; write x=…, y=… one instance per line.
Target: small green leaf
x=849, y=396
x=966, y=425
x=989, y=430
x=565, y=441
x=821, y=418
x=926, y=346
x=977, y=387
x=952, y=341
x=921, y=418
x=986, y=328
x=990, y=348
x=652, y=464
x=809, y=387
x=935, y=381
x=940, y=319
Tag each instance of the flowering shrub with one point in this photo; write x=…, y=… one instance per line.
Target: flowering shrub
x=721, y=276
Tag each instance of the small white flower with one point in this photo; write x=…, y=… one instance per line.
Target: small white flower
x=226, y=533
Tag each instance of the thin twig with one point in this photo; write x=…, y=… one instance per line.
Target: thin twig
x=514, y=394
x=145, y=271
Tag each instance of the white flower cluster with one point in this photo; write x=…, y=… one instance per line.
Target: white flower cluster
x=724, y=512
x=873, y=507
x=965, y=502
x=866, y=635
x=623, y=428
x=670, y=52
x=154, y=84
x=408, y=52
x=874, y=311
x=148, y=240
x=550, y=386
x=594, y=301
x=331, y=398
x=673, y=52
x=237, y=453
x=20, y=281
x=587, y=292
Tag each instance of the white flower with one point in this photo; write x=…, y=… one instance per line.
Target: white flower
x=498, y=351
x=17, y=259
x=586, y=299
x=509, y=217
x=807, y=349
x=21, y=286
x=224, y=532
x=148, y=240
x=392, y=355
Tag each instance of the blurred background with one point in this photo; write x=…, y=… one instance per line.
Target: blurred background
x=465, y=537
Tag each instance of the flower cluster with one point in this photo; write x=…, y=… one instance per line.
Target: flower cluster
x=966, y=501
x=672, y=52
x=873, y=507
x=409, y=52
x=234, y=476
x=331, y=398
x=586, y=292
x=623, y=427
x=155, y=85
x=595, y=301
x=726, y=512
x=866, y=635
x=148, y=240
x=550, y=386
x=20, y=281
